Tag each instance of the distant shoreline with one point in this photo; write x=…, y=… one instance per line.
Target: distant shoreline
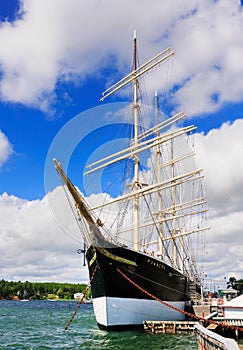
x=41, y=290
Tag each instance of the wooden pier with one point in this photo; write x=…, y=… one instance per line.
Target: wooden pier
x=169, y=327
x=213, y=341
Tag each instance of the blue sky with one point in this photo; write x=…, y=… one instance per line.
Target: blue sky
x=31, y=131
x=55, y=60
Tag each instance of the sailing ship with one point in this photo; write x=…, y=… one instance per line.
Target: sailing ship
x=142, y=267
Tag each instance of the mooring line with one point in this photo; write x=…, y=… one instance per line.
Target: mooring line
x=174, y=307
x=153, y=296
x=82, y=299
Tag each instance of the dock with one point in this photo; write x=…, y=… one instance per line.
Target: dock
x=214, y=331
x=206, y=338
x=212, y=341
x=177, y=327
x=169, y=327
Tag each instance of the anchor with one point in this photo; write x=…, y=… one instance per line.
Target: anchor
x=83, y=251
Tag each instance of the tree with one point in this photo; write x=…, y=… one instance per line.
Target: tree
x=231, y=282
x=38, y=290
x=236, y=284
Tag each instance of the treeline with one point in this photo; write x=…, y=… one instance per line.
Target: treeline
x=236, y=284
x=39, y=290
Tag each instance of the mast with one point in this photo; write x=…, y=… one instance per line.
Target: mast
x=173, y=206
x=156, y=102
x=79, y=202
x=83, y=210
x=136, y=159
x=133, y=78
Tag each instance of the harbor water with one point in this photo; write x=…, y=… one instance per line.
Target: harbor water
x=40, y=325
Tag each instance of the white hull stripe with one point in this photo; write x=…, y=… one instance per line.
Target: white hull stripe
x=123, y=311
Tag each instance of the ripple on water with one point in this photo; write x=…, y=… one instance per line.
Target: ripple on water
x=40, y=325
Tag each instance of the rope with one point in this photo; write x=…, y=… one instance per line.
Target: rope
x=151, y=295
x=82, y=299
x=224, y=325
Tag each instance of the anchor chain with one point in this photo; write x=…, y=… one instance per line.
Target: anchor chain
x=174, y=307
x=82, y=299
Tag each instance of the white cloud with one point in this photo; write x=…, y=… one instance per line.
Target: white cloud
x=63, y=40
x=68, y=40
x=209, y=55
x=5, y=148
x=33, y=247
x=220, y=153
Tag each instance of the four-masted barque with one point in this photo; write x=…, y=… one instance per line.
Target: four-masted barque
x=143, y=265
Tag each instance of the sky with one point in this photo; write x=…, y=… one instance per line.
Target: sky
x=56, y=57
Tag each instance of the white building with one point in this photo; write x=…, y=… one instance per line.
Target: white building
x=78, y=295
x=230, y=293
x=233, y=309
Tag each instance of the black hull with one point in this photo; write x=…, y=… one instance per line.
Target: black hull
x=151, y=274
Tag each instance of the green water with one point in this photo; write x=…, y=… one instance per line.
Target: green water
x=41, y=324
